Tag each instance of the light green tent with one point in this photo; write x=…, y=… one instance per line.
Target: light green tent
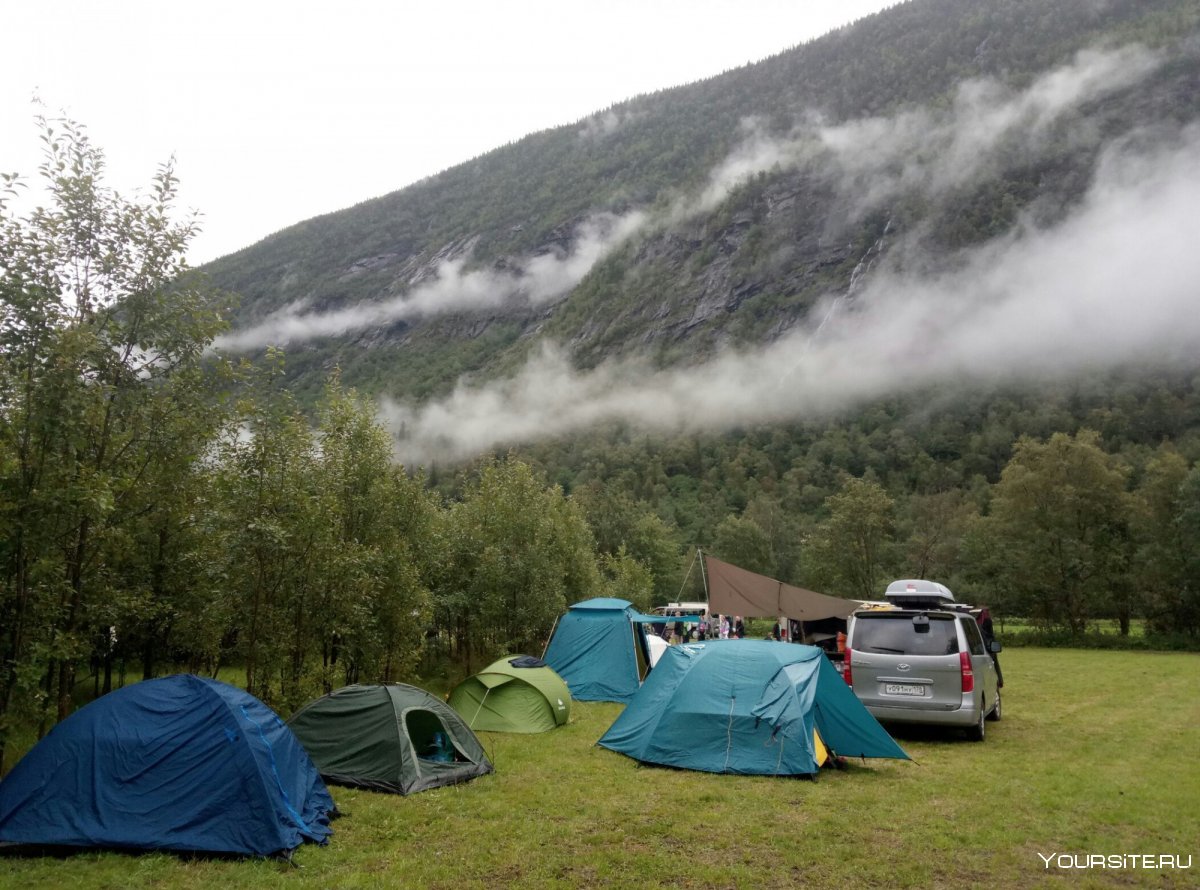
x=515, y=694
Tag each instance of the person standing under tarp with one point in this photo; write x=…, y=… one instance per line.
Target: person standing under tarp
x=679, y=627
x=739, y=627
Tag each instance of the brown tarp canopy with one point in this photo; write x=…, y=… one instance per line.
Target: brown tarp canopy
x=735, y=591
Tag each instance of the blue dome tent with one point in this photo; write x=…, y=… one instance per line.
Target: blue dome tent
x=753, y=707
x=180, y=763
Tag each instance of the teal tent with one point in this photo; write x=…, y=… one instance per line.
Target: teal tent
x=755, y=707
x=394, y=738
x=517, y=693
x=599, y=648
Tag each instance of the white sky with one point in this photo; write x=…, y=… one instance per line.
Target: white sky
x=277, y=112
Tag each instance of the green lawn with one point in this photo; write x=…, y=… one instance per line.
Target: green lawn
x=1096, y=754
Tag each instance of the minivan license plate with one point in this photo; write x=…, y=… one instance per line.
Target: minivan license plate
x=903, y=689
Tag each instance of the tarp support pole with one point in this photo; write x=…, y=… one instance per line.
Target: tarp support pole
x=546, y=647
x=679, y=596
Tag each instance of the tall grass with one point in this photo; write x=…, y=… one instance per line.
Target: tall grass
x=1096, y=754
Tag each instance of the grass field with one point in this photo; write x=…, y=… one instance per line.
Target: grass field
x=1096, y=754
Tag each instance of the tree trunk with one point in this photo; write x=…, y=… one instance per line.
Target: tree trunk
x=148, y=657
x=1124, y=619
x=108, y=666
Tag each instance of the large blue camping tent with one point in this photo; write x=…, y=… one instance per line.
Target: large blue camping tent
x=754, y=707
x=599, y=648
x=179, y=763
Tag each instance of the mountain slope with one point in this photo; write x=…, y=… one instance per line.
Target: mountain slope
x=756, y=210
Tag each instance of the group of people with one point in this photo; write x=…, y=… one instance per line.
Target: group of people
x=725, y=627
x=720, y=627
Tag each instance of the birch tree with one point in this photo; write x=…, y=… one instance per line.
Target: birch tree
x=101, y=339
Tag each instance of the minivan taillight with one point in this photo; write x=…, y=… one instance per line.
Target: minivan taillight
x=846, y=668
x=968, y=673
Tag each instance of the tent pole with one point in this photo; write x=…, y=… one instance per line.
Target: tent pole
x=703, y=575
x=480, y=708
x=549, y=638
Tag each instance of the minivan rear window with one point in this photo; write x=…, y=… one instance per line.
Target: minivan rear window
x=896, y=634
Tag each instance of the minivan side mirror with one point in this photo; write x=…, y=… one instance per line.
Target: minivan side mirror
x=994, y=647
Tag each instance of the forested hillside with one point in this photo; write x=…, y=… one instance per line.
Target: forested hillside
x=887, y=254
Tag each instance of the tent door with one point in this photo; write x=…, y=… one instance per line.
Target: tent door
x=430, y=738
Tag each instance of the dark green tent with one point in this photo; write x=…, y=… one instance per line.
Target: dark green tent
x=388, y=738
x=514, y=694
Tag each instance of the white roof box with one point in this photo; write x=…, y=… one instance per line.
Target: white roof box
x=918, y=592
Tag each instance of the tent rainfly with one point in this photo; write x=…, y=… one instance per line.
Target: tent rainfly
x=753, y=707
x=180, y=763
x=599, y=648
x=513, y=694
x=395, y=738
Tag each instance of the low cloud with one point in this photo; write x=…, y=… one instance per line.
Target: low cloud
x=600, y=126
x=875, y=159
x=936, y=150
x=756, y=153
x=1113, y=283
x=453, y=288
x=926, y=149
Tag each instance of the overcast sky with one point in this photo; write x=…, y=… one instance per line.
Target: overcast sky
x=277, y=112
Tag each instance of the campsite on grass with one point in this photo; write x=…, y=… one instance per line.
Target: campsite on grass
x=1057, y=776
x=730, y=747
x=372, y=551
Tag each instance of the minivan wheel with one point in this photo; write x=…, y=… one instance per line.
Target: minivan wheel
x=995, y=713
x=977, y=732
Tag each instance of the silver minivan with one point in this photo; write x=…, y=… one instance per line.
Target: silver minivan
x=923, y=660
